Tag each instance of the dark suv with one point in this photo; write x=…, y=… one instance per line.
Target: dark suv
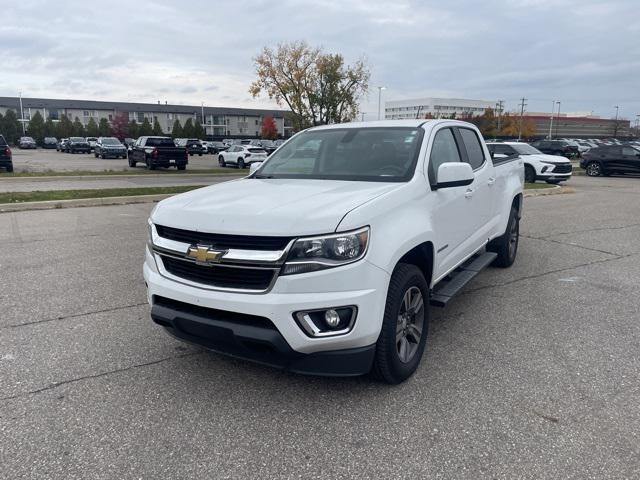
x=77, y=144
x=610, y=160
x=557, y=147
x=5, y=155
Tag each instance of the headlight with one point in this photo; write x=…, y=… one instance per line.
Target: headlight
x=327, y=251
x=149, y=233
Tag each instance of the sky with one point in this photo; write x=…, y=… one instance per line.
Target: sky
x=584, y=53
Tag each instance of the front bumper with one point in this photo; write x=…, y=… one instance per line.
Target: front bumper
x=361, y=284
x=243, y=337
x=113, y=153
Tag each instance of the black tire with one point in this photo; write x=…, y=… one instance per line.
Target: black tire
x=387, y=363
x=95, y=154
x=132, y=163
x=199, y=154
x=506, y=245
x=553, y=182
x=102, y=156
x=593, y=169
x=241, y=163
x=529, y=174
x=221, y=161
x=182, y=167
x=150, y=165
x=10, y=168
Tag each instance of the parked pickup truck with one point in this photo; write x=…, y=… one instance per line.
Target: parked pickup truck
x=327, y=257
x=158, y=152
x=6, y=161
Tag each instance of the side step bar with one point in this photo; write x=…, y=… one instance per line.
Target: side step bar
x=448, y=287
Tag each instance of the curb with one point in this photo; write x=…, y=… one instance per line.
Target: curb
x=555, y=190
x=82, y=202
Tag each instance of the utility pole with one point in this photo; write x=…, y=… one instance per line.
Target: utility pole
x=380, y=99
x=558, y=122
x=22, y=115
x=522, y=105
x=499, y=107
x=615, y=126
x=553, y=109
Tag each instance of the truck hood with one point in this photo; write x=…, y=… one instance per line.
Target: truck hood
x=277, y=207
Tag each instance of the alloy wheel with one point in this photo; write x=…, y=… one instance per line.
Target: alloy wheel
x=410, y=324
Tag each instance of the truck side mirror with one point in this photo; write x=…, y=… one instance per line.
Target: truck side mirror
x=254, y=166
x=453, y=174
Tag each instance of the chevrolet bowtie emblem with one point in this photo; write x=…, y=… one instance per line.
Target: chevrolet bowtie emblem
x=204, y=254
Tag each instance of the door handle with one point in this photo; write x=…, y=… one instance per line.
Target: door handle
x=468, y=193
x=491, y=181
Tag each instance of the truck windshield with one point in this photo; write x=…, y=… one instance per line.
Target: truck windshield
x=373, y=154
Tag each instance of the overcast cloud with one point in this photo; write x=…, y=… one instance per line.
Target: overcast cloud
x=582, y=52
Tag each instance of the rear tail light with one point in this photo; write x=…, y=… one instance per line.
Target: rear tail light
x=7, y=152
x=154, y=153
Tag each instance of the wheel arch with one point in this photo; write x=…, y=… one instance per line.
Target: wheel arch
x=422, y=257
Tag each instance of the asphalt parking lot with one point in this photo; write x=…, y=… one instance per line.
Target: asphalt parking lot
x=45, y=160
x=534, y=372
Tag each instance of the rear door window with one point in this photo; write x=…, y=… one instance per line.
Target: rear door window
x=475, y=153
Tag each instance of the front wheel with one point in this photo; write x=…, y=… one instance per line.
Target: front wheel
x=182, y=167
x=594, y=169
x=241, y=163
x=529, y=174
x=506, y=245
x=221, y=161
x=404, y=327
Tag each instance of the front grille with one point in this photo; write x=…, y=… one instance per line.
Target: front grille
x=563, y=168
x=217, y=276
x=223, y=241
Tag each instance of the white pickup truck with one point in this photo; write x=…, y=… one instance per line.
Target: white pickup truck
x=327, y=257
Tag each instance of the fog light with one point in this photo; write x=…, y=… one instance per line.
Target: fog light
x=331, y=318
x=327, y=322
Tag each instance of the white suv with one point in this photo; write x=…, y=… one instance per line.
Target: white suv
x=537, y=165
x=242, y=156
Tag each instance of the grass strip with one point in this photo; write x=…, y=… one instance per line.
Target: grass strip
x=40, y=196
x=537, y=186
x=83, y=173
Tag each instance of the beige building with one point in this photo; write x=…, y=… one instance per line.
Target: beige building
x=219, y=122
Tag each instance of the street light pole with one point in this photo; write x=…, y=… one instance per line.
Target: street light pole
x=380, y=99
x=615, y=126
x=553, y=108
x=558, y=118
x=22, y=114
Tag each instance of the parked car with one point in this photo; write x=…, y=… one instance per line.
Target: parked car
x=6, y=160
x=158, y=152
x=61, y=146
x=268, y=146
x=537, y=165
x=217, y=147
x=611, y=160
x=92, y=142
x=241, y=156
x=278, y=142
x=77, y=145
x=109, y=147
x=26, y=143
x=327, y=262
x=50, y=142
x=193, y=146
x=557, y=147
